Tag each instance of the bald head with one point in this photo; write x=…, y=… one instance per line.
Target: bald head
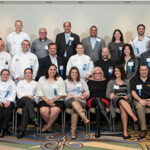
x=2, y=45
x=105, y=53
x=67, y=27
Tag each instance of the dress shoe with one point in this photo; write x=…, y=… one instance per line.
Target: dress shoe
x=143, y=133
x=2, y=133
x=97, y=132
x=126, y=137
x=20, y=135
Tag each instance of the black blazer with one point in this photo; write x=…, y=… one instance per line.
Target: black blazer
x=46, y=61
x=62, y=46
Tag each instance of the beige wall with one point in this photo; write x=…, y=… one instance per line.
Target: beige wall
x=106, y=17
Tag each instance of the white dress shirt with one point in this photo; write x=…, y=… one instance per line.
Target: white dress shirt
x=7, y=91
x=21, y=61
x=14, y=41
x=27, y=88
x=139, y=46
x=83, y=63
x=5, y=60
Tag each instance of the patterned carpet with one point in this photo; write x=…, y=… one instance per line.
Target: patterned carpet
x=85, y=141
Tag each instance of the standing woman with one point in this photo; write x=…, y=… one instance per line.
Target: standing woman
x=116, y=45
x=77, y=93
x=82, y=62
x=129, y=61
x=27, y=99
x=97, y=86
x=51, y=90
x=118, y=91
x=7, y=100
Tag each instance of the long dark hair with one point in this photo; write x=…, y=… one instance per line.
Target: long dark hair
x=78, y=77
x=46, y=72
x=113, y=37
x=123, y=55
x=122, y=71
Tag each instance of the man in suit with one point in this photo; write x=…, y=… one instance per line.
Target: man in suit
x=52, y=58
x=93, y=44
x=66, y=42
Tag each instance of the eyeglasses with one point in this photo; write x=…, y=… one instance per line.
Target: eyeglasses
x=42, y=32
x=97, y=73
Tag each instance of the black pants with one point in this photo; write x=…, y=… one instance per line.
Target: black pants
x=6, y=115
x=28, y=112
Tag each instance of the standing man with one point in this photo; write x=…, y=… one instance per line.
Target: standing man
x=40, y=46
x=140, y=42
x=93, y=44
x=140, y=90
x=66, y=42
x=5, y=58
x=15, y=39
x=24, y=59
x=105, y=63
x=52, y=58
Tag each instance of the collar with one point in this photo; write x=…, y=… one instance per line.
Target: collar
x=43, y=40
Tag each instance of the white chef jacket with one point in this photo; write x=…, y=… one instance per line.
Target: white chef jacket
x=21, y=61
x=139, y=46
x=7, y=91
x=14, y=41
x=27, y=88
x=83, y=63
x=5, y=60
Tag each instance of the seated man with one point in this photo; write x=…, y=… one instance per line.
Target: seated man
x=140, y=90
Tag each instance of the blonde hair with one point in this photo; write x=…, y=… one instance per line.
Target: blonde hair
x=101, y=71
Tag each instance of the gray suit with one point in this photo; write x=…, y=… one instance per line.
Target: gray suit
x=93, y=53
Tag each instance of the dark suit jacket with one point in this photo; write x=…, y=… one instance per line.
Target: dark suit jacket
x=46, y=61
x=62, y=46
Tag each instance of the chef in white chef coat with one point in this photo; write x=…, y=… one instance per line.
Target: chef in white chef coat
x=5, y=58
x=15, y=38
x=82, y=62
x=7, y=100
x=21, y=61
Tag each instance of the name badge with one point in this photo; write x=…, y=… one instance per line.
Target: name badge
x=148, y=59
x=54, y=87
x=138, y=50
x=61, y=70
x=78, y=85
x=110, y=70
x=130, y=63
x=84, y=67
x=116, y=87
x=46, y=47
x=71, y=38
x=139, y=87
x=98, y=40
x=120, y=50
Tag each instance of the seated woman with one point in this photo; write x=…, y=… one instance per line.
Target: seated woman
x=129, y=61
x=82, y=62
x=77, y=93
x=51, y=90
x=97, y=86
x=27, y=99
x=118, y=90
x=7, y=99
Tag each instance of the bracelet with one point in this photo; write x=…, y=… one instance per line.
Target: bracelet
x=54, y=100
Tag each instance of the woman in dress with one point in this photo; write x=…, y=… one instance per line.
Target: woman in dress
x=77, y=93
x=51, y=90
x=118, y=91
x=116, y=45
x=97, y=86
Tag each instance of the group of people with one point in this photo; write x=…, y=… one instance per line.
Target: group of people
x=74, y=74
